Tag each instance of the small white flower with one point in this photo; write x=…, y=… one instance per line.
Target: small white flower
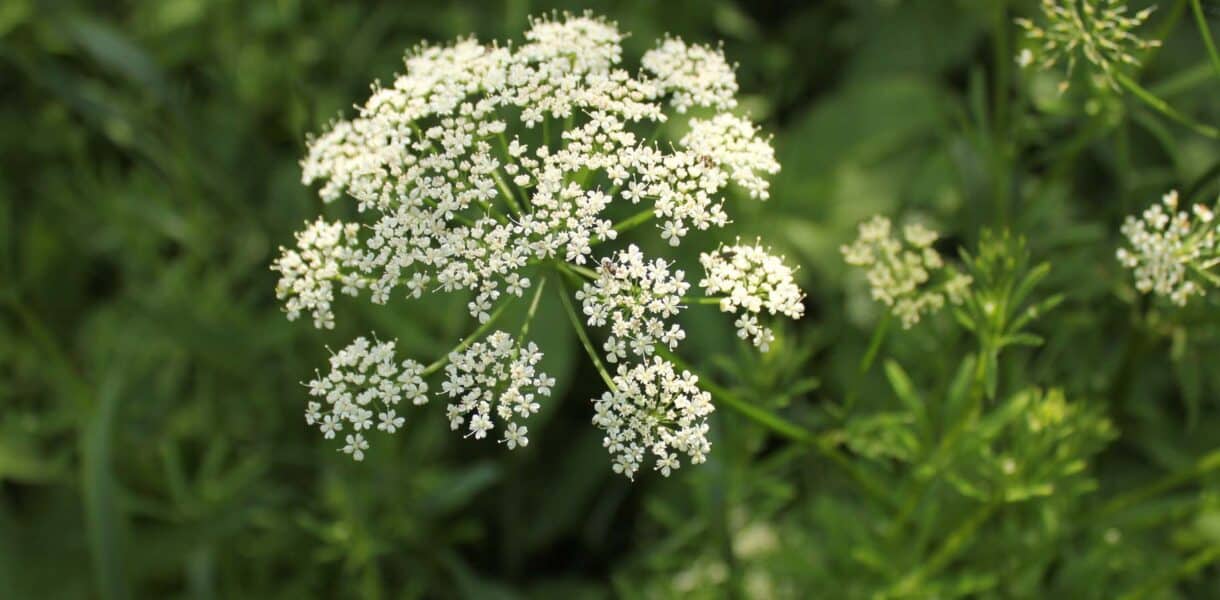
x=313, y=413
x=356, y=445
x=390, y=421
x=515, y=436
x=1025, y=58
x=330, y=424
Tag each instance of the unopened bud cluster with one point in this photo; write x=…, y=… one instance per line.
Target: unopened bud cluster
x=1099, y=30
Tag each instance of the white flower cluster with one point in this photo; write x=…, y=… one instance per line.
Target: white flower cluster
x=901, y=275
x=497, y=374
x=463, y=202
x=326, y=254
x=654, y=409
x=636, y=296
x=364, y=382
x=1099, y=30
x=486, y=169
x=694, y=75
x=1171, y=249
x=749, y=280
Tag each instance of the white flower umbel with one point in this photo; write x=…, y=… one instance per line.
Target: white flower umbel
x=1172, y=252
x=326, y=254
x=1098, y=30
x=908, y=275
x=488, y=169
x=495, y=378
x=362, y=391
x=636, y=297
x=653, y=409
x=467, y=192
x=750, y=280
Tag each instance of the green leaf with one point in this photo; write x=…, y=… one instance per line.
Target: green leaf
x=905, y=390
x=103, y=515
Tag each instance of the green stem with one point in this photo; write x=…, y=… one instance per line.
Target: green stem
x=1165, y=109
x=1003, y=59
x=635, y=220
x=701, y=300
x=1207, y=464
x=1206, y=33
x=954, y=544
x=509, y=196
x=581, y=333
x=529, y=315
x=470, y=339
x=785, y=429
x=1196, y=563
x=874, y=345
x=1001, y=128
x=577, y=270
x=1183, y=81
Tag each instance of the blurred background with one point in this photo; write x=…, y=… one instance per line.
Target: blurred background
x=151, y=433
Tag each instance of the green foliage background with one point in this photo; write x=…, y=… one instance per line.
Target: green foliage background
x=151, y=439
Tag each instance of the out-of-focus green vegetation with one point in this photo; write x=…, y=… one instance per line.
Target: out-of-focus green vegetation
x=151, y=439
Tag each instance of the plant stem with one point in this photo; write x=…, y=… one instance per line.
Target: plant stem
x=1164, y=108
x=874, y=345
x=529, y=315
x=1208, y=463
x=470, y=339
x=701, y=300
x=584, y=337
x=1197, y=562
x=635, y=220
x=577, y=270
x=1206, y=33
x=786, y=429
x=509, y=196
x=954, y=543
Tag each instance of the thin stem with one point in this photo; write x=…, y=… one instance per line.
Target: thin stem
x=635, y=220
x=578, y=270
x=1196, y=563
x=1183, y=81
x=874, y=345
x=1164, y=108
x=997, y=135
x=701, y=300
x=786, y=429
x=508, y=157
x=1208, y=463
x=584, y=337
x=457, y=217
x=953, y=545
x=1206, y=33
x=529, y=315
x=470, y=339
x=509, y=196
